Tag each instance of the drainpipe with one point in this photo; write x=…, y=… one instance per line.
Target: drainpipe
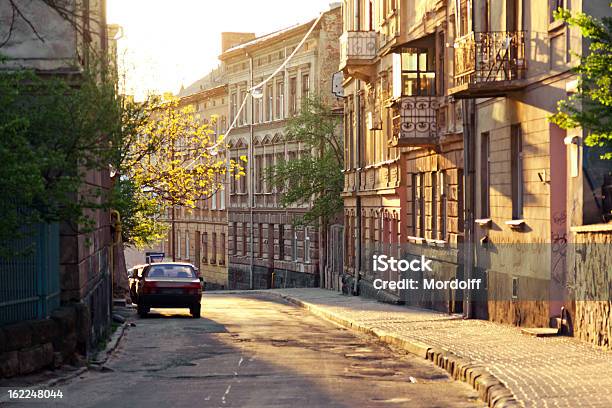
x=357, y=109
x=469, y=140
x=468, y=260
x=358, y=248
x=251, y=177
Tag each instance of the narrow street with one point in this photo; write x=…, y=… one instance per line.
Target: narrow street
x=255, y=351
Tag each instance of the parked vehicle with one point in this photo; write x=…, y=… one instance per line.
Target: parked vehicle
x=168, y=284
x=134, y=274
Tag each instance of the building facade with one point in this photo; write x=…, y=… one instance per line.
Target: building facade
x=403, y=143
x=450, y=152
x=265, y=248
x=77, y=312
x=512, y=64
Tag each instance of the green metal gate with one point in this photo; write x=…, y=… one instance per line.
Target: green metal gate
x=29, y=281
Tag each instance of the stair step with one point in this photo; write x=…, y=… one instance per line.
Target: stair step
x=119, y=302
x=540, y=332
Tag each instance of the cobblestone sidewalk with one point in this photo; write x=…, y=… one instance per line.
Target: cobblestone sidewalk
x=533, y=372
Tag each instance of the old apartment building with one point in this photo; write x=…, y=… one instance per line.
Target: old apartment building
x=450, y=153
x=265, y=248
x=403, y=140
x=64, y=278
x=512, y=65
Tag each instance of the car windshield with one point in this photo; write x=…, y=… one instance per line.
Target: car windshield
x=171, y=271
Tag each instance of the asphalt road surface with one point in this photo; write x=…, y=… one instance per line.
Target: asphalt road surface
x=256, y=351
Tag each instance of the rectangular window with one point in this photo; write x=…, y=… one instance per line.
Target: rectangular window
x=306, y=245
x=243, y=115
x=305, y=86
x=260, y=240
x=213, y=255
x=233, y=106
x=244, y=238
x=415, y=205
x=485, y=205
x=292, y=96
x=256, y=108
x=486, y=15
x=213, y=201
x=222, y=198
x=460, y=184
x=280, y=100
x=281, y=242
x=517, y=171
x=434, y=205
x=270, y=102
x=233, y=182
x=187, y=254
x=259, y=174
x=269, y=163
x=421, y=188
x=294, y=245
x=418, y=72
x=554, y=6
x=222, y=252
x=280, y=158
x=420, y=206
x=443, y=204
x=178, y=244
x=243, y=184
x=234, y=234
x=205, y=247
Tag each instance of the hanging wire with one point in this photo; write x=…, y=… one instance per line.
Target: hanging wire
x=265, y=81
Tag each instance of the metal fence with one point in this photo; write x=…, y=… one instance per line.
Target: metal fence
x=29, y=279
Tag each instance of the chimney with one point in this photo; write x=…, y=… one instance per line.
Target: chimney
x=229, y=40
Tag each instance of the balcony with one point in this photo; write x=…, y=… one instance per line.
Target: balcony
x=489, y=64
x=357, y=51
x=415, y=121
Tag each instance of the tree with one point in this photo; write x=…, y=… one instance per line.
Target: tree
x=316, y=176
x=173, y=157
x=591, y=107
x=52, y=131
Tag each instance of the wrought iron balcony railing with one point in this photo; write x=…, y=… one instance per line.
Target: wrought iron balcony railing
x=489, y=57
x=415, y=121
x=357, y=47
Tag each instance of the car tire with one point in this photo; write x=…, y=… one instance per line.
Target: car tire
x=195, y=311
x=143, y=311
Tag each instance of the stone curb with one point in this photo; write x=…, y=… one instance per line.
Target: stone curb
x=97, y=362
x=490, y=389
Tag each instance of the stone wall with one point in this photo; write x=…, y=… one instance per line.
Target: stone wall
x=239, y=278
x=30, y=346
x=85, y=256
x=590, y=261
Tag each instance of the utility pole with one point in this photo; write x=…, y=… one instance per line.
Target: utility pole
x=251, y=178
x=358, y=119
x=173, y=215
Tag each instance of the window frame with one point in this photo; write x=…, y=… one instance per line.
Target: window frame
x=517, y=167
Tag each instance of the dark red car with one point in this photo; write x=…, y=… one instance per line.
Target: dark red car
x=169, y=284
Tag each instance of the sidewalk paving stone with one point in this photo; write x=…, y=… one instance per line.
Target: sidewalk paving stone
x=530, y=371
